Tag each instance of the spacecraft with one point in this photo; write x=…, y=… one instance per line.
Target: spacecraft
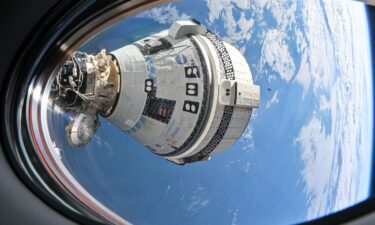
x=183, y=93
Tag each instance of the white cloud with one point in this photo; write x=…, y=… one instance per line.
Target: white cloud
x=238, y=31
x=242, y=4
x=275, y=53
x=317, y=67
x=284, y=12
x=234, y=217
x=273, y=100
x=247, y=167
x=271, y=77
x=317, y=154
x=216, y=7
x=247, y=137
x=300, y=40
x=197, y=201
x=246, y=26
x=324, y=104
x=164, y=15
x=303, y=76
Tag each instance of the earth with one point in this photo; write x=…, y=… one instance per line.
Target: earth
x=306, y=151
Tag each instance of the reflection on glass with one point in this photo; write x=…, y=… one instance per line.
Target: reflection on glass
x=305, y=153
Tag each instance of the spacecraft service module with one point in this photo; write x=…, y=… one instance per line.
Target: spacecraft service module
x=183, y=93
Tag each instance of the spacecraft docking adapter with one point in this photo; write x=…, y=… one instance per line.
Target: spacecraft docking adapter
x=183, y=93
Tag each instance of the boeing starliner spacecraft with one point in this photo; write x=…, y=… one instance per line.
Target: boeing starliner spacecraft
x=183, y=93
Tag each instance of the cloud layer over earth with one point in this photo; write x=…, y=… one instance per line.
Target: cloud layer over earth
x=333, y=141
x=333, y=152
x=164, y=15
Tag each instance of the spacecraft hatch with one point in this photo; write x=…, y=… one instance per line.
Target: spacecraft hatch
x=183, y=93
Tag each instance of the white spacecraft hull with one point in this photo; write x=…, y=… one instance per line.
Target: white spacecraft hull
x=176, y=100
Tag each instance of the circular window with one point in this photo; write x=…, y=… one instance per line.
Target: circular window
x=198, y=112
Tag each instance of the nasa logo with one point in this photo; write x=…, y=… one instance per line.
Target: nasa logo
x=181, y=59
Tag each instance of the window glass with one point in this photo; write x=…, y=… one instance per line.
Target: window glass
x=306, y=151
